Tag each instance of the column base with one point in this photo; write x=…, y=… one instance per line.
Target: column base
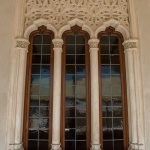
x=16, y=146
x=56, y=147
x=136, y=146
x=95, y=147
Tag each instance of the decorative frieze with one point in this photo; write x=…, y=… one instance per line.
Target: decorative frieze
x=92, y=12
x=93, y=43
x=130, y=44
x=57, y=43
x=22, y=43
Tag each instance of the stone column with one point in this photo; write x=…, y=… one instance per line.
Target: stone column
x=56, y=94
x=20, y=61
x=95, y=127
x=135, y=119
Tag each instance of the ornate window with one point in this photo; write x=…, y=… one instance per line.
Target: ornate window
x=112, y=91
x=38, y=97
x=75, y=91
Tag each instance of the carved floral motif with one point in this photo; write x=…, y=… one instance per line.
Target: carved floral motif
x=58, y=43
x=92, y=12
x=93, y=43
x=130, y=45
x=22, y=44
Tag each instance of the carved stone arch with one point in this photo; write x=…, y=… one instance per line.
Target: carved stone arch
x=79, y=23
x=38, y=23
x=116, y=25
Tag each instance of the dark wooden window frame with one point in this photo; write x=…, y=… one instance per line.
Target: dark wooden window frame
x=76, y=30
x=111, y=30
x=45, y=31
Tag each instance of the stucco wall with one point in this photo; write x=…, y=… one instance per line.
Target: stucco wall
x=7, y=10
x=143, y=7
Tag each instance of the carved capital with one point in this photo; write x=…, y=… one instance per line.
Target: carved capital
x=130, y=45
x=16, y=146
x=95, y=147
x=93, y=43
x=57, y=43
x=22, y=43
x=55, y=147
x=136, y=146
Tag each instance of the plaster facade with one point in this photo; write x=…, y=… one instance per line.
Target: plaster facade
x=15, y=29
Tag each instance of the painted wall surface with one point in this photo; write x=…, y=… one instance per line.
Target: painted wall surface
x=7, y=11
x=143, y=7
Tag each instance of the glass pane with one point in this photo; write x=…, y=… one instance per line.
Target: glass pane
x=80, y=79
x=80, y=49
x=70, y=145
x=106, y=100
x=114, y=40
x=35, y=69
x=81, y=134
x=46, y=39
x=115, y=69
x=81, y=91
x=105, y=59
x=116, y=90
x=117, y=101
x=44, y=112
x=36, y=59
x=33, y=134
x=34, y=112
x=37, y=39
x=107, y=134
x=104, y=49
x=81, y=145
x=104, y=40
x=69, y=134
x=33, y=123
x=81, y=124
x=36, y=49
x=44, y=90
x=107, y=123
x=115, y=59
x=45, y=59
x=34, y=90
x=35, y=79
x=70, y=79
x=70, y=59
x=108, y=145
x=70, y=91
x=34, y=101
x=70, y=69
x=70, y=49
x=70, y=39
x=80, y=40
x=115, y=79
x=45, y=79
x=70, y=112
x=45, y=69
x=43, y=145
x=70, y=101
x=70, y=123
x=80, y=59
x=107, y=112
x=44, y=101
x=118, y=145
x=106, y=79
x=81, y=111
x=80, y=69
x=118, y=134
x=46, y=49
x=105, y=69
x=43, y=123
x=32, y=145
x=117, y=111
x=117, y=123
x=43, y=134
x=114, y=50
x=106, y=90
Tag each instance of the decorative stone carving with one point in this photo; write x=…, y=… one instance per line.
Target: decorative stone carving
x=22, y=43
x=57, y=43
x=93, y=43
x=130, y=44
x=92, y=12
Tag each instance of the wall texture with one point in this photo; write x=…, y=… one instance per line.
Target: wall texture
x=7, y=11
x=143, y=8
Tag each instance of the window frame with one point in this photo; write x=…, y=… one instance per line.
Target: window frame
x=41, y=30
x=111, y=30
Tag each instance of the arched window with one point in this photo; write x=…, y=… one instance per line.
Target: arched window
x=38, y=95
x=113, y=104
x=75, y=91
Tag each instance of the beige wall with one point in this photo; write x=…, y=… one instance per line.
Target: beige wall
x=144, y=31
x=7, y=10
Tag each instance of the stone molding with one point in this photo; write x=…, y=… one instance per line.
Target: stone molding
x=92, y=12
x=131, y=44
x=57, y=43
x=95, y=147
x=22, y=43
x=56, y=147
x=93, y=43
x=15, y=146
